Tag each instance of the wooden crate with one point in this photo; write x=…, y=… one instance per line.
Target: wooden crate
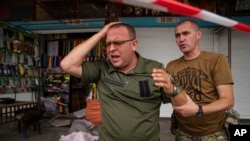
x=7, y=111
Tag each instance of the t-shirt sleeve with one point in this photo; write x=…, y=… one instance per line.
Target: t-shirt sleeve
x=90, y=72
x=222, y=72
x=164, y=97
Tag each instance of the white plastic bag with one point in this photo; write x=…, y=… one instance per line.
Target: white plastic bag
x=78, y=136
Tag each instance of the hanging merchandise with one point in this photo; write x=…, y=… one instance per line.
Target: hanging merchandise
x=21, y=69
x=52, y=48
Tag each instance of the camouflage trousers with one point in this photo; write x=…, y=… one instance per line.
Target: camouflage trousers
x=218, y=136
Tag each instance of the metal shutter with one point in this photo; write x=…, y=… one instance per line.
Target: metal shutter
x=240, y=69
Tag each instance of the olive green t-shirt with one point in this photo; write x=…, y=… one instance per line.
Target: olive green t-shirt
x=199, y=78
x=130, y=102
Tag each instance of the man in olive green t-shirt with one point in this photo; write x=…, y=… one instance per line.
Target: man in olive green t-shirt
x=130, y=87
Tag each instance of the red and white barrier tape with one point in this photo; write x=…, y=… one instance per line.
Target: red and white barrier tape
x=179, y=8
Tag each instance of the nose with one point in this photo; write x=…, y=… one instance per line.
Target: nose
x=111, y=47
x=181, y=37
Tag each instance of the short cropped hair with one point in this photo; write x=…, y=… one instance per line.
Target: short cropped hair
x=193, y=22
x=131, y=29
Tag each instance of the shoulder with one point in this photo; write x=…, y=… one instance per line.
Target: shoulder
x=208, y=55
x=211, y=54
x=175, y=61
x=151, y=63
x=148, y=63
x=98, y=64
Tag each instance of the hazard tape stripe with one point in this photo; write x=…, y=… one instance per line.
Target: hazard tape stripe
x=179, y=8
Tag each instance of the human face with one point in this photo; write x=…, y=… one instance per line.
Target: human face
x=120, y=48
x=187, y=37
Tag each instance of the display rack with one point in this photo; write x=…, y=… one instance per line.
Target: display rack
x=19, y=69
x=58, y=84
x=19, y=60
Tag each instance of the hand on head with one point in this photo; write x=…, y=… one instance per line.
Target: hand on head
x=104, y=30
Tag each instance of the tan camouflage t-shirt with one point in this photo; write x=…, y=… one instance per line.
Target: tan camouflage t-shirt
x=199, y=78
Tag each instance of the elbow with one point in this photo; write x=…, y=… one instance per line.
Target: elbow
x=71, y=69
x=64, y=66
x=231, y=104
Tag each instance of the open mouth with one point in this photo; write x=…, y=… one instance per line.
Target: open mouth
x=182, y=45
x=115, y=57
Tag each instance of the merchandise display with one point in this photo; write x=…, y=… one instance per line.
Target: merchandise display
x=65, y=89
x=19, y=66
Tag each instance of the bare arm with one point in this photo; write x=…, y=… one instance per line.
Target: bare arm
x=162, y=79
x=225, y=102
x=72, y=63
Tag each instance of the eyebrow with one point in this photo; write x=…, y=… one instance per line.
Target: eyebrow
x=183, y=33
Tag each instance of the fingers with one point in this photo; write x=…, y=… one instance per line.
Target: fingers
x=158, y=70
x=158, y=73
x=189, y=100
x=162, y=79
x=104, y=30
x=110, y=24
x=113, y=23
x=187, y=109
x=160, y=76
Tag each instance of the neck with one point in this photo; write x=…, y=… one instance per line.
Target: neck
x=192, y=55
x=131, y=65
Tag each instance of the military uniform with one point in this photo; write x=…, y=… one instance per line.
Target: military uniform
x=130, y=103
x=199, y=78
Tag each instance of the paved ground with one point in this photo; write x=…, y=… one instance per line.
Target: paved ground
x=9, y=132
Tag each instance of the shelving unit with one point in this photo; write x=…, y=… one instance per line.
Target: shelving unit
x=19, y=69
x=58, y=84
x=19, y=60
x=67, y=91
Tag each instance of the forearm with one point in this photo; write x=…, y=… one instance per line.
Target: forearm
x=190, y=108
x=73, y=61
x=180, y=99
x=164, y=80
x=222, y=104
x=225, y=101
x=176, y=93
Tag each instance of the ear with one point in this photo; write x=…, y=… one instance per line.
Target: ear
x=199, y=34
x=134, y=45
